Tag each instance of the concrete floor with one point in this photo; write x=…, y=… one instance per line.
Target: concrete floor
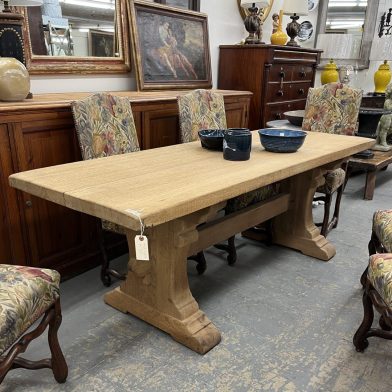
x=286, y=320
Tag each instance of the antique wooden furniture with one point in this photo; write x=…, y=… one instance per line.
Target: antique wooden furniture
x=332, y=108
x=377, y=294
x=371, y=166
x=105, y=126
x=40, y=132
x=278, y=76
x=26, y=294
x=174, y=206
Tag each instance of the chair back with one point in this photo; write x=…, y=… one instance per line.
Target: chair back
x=200, y=109
x=332, y=108
x=105, y=126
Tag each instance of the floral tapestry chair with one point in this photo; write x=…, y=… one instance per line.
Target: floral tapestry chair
x=105, y=126
x=332, y=108
x=205, y=109
x=27, y=294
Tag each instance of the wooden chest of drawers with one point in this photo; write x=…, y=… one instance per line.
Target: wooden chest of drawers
x=278, y=76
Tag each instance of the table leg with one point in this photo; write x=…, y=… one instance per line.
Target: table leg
x=295, y=228
x=370, y=185
x=157, y=291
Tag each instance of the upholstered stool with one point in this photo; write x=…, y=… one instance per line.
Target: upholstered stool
x=381, y=240
x=378, y=293
x=26, y=294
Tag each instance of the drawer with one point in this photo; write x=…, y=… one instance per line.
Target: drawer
x=299, y=90
x=277, y=92
x=302, y=73
x=281, y=72
x=275, y=111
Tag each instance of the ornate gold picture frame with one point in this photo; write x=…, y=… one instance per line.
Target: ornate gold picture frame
x=170, y=47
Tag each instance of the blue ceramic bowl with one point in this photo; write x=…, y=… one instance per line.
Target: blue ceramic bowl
x=281, y=140
x=212, y=139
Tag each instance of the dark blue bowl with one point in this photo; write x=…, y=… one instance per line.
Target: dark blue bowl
x=212, y=139
x=281, y=140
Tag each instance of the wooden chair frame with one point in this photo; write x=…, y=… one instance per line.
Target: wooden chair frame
x=57, y=363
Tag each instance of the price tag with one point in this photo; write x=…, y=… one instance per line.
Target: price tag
x=141, y=247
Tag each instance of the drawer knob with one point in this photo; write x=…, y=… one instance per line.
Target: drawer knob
x=29, y=203
x=280, y=93
x=278, y=116
x=282, y=74
x=302, y=73
x=301, y=91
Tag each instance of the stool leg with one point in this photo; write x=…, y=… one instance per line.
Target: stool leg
x=360, y=338
x=59, y=366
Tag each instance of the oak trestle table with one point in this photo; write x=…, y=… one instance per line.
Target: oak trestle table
x=178, y=192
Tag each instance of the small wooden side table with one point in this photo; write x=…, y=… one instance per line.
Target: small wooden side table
x=371, y=166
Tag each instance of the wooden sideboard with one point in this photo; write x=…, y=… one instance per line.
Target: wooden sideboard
x=40, y=132
x=278, y=76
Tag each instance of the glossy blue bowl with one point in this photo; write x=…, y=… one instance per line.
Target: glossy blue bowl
x=212, y=139
x=281, y=140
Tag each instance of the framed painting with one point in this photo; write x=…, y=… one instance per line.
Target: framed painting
x=170, y=47
x=101, y=43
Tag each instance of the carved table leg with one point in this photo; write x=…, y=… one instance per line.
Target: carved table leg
x=295, y=228
x=370, y=185
x=157, y=290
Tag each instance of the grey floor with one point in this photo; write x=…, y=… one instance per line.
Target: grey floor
x=286, y=320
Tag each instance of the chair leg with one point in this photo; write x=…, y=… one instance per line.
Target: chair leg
x=339, y=195
x=59, y=366
x=232, y=256
x=327, y=208
x=364, y=277
x=201, y=265
x=360, y=338
x=383, y=324
x=106, y=272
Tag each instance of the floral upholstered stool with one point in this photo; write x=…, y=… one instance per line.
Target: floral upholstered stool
x=378, y=293
x=26, y=294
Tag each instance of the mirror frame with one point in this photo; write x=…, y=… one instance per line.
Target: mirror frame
x=39, y=64
x=244, y=13
x=368, y=33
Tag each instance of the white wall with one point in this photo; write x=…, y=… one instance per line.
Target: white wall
x=225, y=27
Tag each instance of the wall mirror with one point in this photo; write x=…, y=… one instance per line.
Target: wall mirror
x=77, y=36
x=345, y=31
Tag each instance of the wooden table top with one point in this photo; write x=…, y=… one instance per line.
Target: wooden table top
x=170, y=182
x=43, y=101
x=381, y=158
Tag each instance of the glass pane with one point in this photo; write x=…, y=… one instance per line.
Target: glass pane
x=178, y=3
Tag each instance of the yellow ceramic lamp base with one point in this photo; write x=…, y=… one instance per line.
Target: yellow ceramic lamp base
x=330, y=73
x=382, y=78
x=279, y=37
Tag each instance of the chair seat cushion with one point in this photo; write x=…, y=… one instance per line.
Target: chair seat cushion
x=252, y=197
x=380, y=275
x=333, y=180
x=113, y=227
x=25, y=294
x=382, y=227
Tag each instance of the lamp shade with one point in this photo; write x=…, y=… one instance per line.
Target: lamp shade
x=299, y=7
x=25, y=3
x=258, y=4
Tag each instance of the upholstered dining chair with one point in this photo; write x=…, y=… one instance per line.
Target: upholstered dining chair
x=205, y=109
x=27, y=294
x=105, y=126
x=332, y=108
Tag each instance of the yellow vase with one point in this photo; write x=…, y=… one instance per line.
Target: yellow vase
x=330, y=73
x=382, y=77
x=279, y=37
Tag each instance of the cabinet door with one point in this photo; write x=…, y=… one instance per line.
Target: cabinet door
x=56, y=236
x=11, y=242
x=160, y=127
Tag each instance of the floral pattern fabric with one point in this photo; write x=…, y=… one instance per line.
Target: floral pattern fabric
x=380, y=275
x=105, y=126
x=200, y=109
x=332, y=108
x=25, y=294
x=333, y=180
x=382, y=227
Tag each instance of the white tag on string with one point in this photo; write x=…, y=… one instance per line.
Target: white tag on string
x=141, y=241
